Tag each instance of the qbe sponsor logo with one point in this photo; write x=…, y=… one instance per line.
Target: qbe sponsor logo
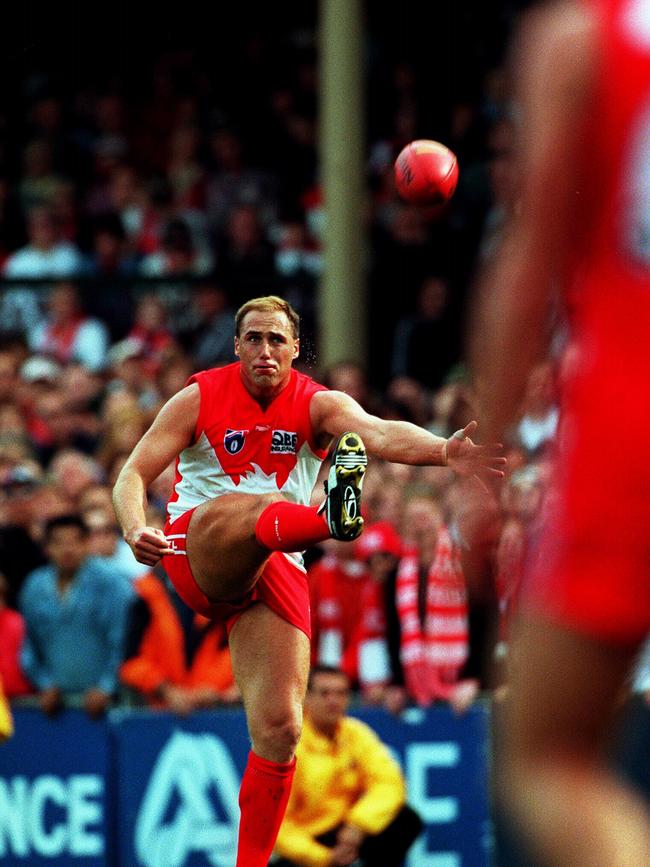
x=284, y=442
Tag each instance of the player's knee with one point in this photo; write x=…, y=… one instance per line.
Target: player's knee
x=276, y=735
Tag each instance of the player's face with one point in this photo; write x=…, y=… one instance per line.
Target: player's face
x=266, y=347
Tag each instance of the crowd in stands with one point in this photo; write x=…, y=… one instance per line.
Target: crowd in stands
x=134, y=220
x=396, y=610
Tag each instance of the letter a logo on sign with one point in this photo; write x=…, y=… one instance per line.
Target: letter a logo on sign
x=191, y=772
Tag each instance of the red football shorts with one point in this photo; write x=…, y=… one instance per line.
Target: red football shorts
x=592, y=569
x=282, y=586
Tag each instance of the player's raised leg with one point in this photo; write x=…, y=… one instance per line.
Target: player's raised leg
x=271, y=665
x=230, y=538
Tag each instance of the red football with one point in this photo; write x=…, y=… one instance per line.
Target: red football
x=426, y=172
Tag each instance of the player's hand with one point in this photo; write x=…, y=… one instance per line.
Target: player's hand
x=148, y=544
x=96, y=702
x=468, y=459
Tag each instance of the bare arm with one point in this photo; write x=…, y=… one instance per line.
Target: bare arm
x=170, y=433
x=554, y=62
x=333, y=413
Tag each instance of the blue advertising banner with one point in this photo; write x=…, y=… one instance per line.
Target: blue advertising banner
x=54, y=799
x=147, y=789
x=179, y=781
x=445, y=762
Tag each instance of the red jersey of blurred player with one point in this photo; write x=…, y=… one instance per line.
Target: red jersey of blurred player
x=583, y=223
x=600, y=542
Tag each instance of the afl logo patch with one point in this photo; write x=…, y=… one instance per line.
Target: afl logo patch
x=234, y=441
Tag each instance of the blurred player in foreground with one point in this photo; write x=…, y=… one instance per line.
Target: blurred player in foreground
x=582, y=224
x=249, y=439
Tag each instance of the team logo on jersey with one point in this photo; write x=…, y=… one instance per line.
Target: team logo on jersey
x=234, y=440
x=284, y=442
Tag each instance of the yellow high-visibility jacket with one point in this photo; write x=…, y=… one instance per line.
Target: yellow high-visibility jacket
x=352, y=779
x=6, y=721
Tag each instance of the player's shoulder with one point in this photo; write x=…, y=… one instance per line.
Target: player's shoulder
x=214, y=375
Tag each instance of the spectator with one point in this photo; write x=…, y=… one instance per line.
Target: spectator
x=45, y=256
x=185, y=172
x=177, y=255
x=299, y=264
x=12, y=633
x=425, y=343
x=336, y=583
x=109, y=256
x=6, y=721
x=234, y=183
x=540, y=413
x=67, y=333
x=174, y=658
x=348, y=801
x=351, y=377
x=211, y=339
x=105, y=542
x=245, y=263
x=11, y=223
x=151, y=330
x=128, y=369
x=40, y=182
x=20, y=549
x=75, y=613
x=431, y=600
x=377, y=641
x=123, y=428
x=73, y=471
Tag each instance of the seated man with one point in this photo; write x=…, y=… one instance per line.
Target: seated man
x=347, y=804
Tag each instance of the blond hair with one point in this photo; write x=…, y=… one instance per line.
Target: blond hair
x=269, y=304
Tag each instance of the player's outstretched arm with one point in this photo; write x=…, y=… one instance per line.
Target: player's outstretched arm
x=333, y=413
x=172, y=430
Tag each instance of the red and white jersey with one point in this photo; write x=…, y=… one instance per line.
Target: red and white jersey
x=238, y=447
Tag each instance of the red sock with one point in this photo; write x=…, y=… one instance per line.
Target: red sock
x=284, y=526
x=263, y=799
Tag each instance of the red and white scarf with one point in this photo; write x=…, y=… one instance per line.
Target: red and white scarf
x=433, y=654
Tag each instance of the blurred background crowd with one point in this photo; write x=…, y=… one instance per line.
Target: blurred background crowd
x=141, y=203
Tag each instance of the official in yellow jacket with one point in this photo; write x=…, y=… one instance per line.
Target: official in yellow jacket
x=348, y=800
x=6, y=721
